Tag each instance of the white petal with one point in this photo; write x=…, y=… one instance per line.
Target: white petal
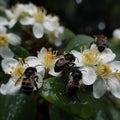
x=9, y=88
x=78, y=56
x=38, y=30
x=99, y=88
x=31, y=9
x=115, y=65
x=89, y=75
x=41, y=70
x=114, y=85
x=9, y=14
x=3, y=21
x=14, y=39
x=6, y=52
x=8, y=64
x=49, y=26
x=42, y=53
x=107, y=55
x=53, y=73
x=3, y=30
x=12, y=23
x=32, y=61
x=27, y=21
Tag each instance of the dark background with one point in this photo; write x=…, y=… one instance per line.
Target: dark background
x=83, y=16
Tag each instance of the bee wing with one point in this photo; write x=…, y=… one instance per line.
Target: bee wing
x=19, y=79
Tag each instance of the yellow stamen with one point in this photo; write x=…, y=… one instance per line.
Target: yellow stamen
x=40, y=15
x=90, y=57
x=18, y=71
x=49, y=58
x=3, y=40
x=104, y=70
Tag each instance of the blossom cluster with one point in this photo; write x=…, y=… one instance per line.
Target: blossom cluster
x=99, y=69
x=37, y=18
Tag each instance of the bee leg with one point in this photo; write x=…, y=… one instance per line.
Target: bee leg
x=35, y=84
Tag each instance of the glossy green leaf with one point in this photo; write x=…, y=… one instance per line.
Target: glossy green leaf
x=78, y=41
x=108, y=112
x=19, y=107
x=84, y=106
x=56, y=113
x=20, y=51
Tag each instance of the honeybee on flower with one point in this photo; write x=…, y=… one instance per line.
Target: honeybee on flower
x=27, y=76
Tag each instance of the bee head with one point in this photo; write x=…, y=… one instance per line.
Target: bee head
x=30, y=70
x=77, y=75
x=69, y=57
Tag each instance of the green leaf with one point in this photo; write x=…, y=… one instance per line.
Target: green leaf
x=68, y=35
x=84, y=106
x=19, y=107
x=58, y=114
x=108, y=112
x=78, y=41
x=20, y=51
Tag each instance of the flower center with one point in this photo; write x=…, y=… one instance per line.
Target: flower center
x=49, y=59
x=104, y=70
x=3, y=40
x=18, y=71
x=40, y=15
x=90, y=57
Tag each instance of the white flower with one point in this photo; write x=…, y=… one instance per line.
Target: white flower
x=16, y=13
x=116, y=34
x=45, y=59
x=41, y=22
x=108, y=79
x=5, y=40
x=16, y=69
x=56, y=36
x=36, y=18
x=89, y=59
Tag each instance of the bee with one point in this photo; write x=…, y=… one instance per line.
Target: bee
x=66, y=60
x=29, y=79
x=74, y=82
x=102, y=42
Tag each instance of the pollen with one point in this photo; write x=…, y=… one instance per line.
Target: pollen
x=3, y=40
x=90, y=57
x=49, y=58
x=18, y=71
x=40, y=15
x=104, y=70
